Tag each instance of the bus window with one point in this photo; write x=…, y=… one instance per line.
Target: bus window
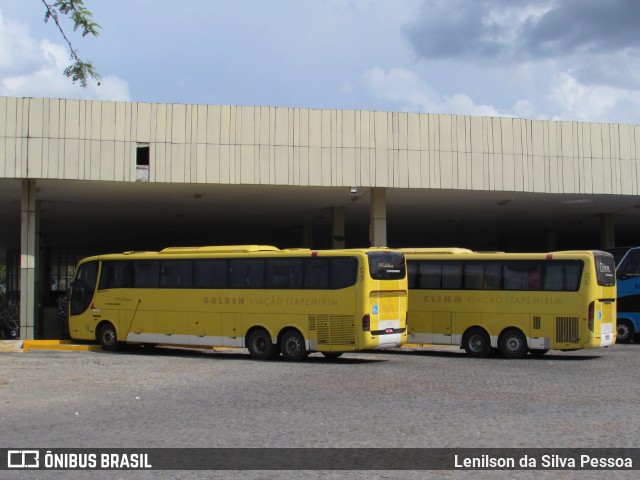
x=83, y=287
x=210, y=274
x=386, y=265
x=343, y=272
x=246, y=273
x=175, y=274
x=631, y=265
x=284, y=273
x=115, y=275
x=316, y=273
x=605, y=269
x=430, y=275
x=452, y=276
x=146, y=273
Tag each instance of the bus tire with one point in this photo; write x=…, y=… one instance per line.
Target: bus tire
x=538, y=352
x=513, y=344
x=625, y=331
x=108, y=337
x=476, y=342
x=332, y=355
x=260, y=345
x=292, y=346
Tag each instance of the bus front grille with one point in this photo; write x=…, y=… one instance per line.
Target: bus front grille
x=333, y=329
x=567, y=329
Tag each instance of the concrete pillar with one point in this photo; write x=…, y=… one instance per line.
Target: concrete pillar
x=307, y=235
x=28, y=260
x=338, y=229
x=552, y=241
x=378, y=218
x=607, y=230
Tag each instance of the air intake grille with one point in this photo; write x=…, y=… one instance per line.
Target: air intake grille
x=333, y=329
x=567, y=330
x=536, y=323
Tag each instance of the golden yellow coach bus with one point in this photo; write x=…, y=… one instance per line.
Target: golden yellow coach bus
x=289, y=302
x=516, y=303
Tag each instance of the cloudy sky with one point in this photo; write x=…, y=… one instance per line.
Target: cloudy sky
x=542, y=59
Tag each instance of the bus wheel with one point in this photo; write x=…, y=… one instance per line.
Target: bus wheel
x=292, y=346
x=107, y=337
x=332, y=355
x=513, y=344
x=625, y=331
x=476, y=343
x=260, y=345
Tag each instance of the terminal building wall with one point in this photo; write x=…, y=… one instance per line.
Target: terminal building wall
x=96, y=140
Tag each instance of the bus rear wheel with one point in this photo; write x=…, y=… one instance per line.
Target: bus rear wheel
x=292, y=346
x=625, y=331
x=260, y=345
x=513, y=344
x=108, y=337
x=332, y=355
x=476, y=343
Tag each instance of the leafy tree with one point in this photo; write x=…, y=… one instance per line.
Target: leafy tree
x=80, y=70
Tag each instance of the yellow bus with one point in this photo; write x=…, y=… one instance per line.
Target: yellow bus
x=515, y=303
x=271, y=301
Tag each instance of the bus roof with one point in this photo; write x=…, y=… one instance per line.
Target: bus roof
x=220, y=249
x=436, y=250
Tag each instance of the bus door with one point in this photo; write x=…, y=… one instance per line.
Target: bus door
x=442, y=332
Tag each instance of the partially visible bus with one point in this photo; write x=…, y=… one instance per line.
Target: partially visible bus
x=515, y=303
x=289, y=302
x=628, y=280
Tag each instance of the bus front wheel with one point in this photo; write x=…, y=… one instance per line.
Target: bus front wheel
x=108, y=337
x=625, y=331
x=332, y=355
x=513, y=344
x=260, y=345
x=292, y=346
x=476, y=343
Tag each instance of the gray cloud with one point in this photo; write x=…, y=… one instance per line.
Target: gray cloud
x=515, y=30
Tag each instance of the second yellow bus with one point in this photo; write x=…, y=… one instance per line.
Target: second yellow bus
x=513, y=303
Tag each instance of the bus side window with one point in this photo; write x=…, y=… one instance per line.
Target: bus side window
x=146, y=273
x=115, y=275
x=316, y=273
x=284, y=273
x=452, y=275
x=412, y=273
x=175, y=274
x=246, y=273
x=430, y=275
x=631, y=265
x=210, y=273
x=343, y=272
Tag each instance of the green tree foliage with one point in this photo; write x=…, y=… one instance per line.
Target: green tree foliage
x=80, y=70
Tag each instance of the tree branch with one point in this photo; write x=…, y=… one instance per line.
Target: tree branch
x=79, y=70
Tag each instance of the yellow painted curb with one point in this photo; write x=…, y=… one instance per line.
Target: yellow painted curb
x=58, y=345
x=11, y=346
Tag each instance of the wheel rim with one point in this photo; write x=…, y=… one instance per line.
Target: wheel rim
x=293, y=346
x=513, y=344
x=260, y=345
x=476, y=343
x=108, y=336
x=623, y=331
